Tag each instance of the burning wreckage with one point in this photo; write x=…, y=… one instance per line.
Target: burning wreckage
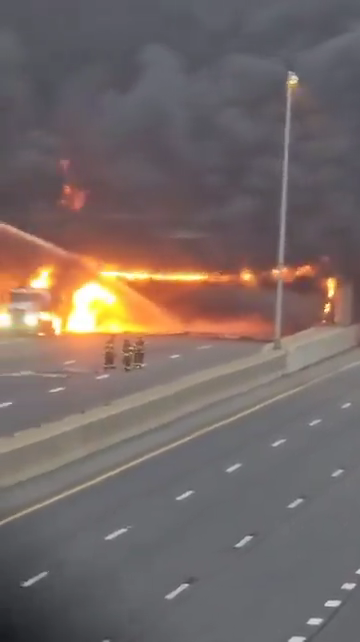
x=72, y=294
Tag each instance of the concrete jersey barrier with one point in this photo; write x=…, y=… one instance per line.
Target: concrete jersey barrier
x=35, y=451
x=317, y=344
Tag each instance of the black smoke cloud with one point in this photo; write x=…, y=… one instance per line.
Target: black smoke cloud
x=172, y=114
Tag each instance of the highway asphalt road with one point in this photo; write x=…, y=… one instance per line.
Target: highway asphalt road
x=46, y=380
x=250, y=533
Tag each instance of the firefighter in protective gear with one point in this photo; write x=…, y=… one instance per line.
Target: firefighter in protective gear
x=109, y=353
x=139, y=353
x=128, y=353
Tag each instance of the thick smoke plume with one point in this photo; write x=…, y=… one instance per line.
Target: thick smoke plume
x=172, y=112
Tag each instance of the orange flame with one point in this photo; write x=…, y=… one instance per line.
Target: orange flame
x=96, y=308
x=330, y=285
x=246, y=276
x=156, y=276
x=72, y=197
x=42, y=279
x=90, y=302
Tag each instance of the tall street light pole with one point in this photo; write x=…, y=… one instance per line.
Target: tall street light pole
x=291, y=83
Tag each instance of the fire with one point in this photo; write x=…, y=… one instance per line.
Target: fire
x=305, y=270
x=72, y=197
x=245, y=277
x=90, y=302
x=97, y=308
x=42, y=279
x=330, y=285
x=188, y=277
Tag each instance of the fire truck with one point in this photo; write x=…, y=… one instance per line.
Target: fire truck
x=29, y=312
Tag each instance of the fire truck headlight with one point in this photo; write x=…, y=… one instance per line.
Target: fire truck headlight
x=31, y=320
x=5, y=320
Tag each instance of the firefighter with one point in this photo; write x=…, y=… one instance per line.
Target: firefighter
x=109, y=353
x=128, y=353
x=139, y=353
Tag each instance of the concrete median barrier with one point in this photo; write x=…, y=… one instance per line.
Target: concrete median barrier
x=317, y=344
x=38, y=450
x=33, y=452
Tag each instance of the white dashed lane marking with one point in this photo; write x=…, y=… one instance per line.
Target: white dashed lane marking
x=315, y=621
x=56, y=389
x=280, y=442
x=244, y=541
x=203, y=347
x=296, y=503
x=177, y=591
x=116, y=534
x=174, y=356
x=69, y=363
x=346, y=405
x=232, y=468
x=337, y=472
x=185, y=495
x=315, y=422
x=6, y=404
x=103, y=376
x=348, y=586
x=34, y=580
x=332, y=604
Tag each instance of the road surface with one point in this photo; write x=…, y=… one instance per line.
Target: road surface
x=248, y=533
x=42, y=381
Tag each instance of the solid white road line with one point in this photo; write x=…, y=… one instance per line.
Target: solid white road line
x=232, y=469
x=245, y=540
x=35, y=579
x=296, y=503
x=315, y=422
x=103, y=376
x=346, y=405
x=278, y=443
x=178, y=590
x=315, y=621
x=56, y=389
x=337, y=472
x=6, y=404
x=348, y=586
x=174, y=356
x=116, y=534
x=333, y=604
x=184, y=495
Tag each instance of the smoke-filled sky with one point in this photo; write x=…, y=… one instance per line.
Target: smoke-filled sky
x=172, y=112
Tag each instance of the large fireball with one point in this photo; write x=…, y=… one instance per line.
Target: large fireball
x=90, y=303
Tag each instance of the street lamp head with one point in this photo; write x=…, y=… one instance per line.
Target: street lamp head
x=292, y=79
